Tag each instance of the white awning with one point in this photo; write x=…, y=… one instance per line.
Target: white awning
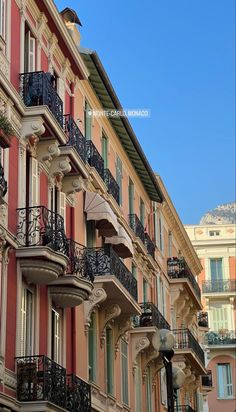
x=99, y=210
x=122, y=243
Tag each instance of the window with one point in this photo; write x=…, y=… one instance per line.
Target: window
x=3, y=18
x=138, y=386
x=170, y=244
x=149, y=391
x=224, y=379
x=105, y=151
x=119, y=176
x=109, y=360
x=29, y=52
x=92, y=340
x=214, y=233
x=56, y=336
x=124, y=368
x=87, y=121
x=142, y=212
x=216, y=269
x=26, y=333
x=90, y=233
x=134, y=270
x=156, y=228
x=145, y=291
x=131, y=197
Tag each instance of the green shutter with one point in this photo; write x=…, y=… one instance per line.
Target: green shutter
x=90, y=233
x=131, y=197
x=93, y=348
x=142, y=212
x=149, y=392
x=105, y=151
x=119, y=176
x=109, y=361
x=145, y=291
x=124, y=368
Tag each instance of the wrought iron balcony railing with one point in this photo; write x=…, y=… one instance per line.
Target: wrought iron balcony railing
x=221, y=285
x=112, y=185
x=202, y=319
x=39, y=226
x=178, y=268
x=3, y=183
x=78, y=395
x=104, y=261
x=184, y=408
x=94, y=158
x=37, y=89
x=207, y=379
x=41, y=379
x=77, y=261
x=184, y=339
x=151, y=316
x=74, y=136
x=137, y=227
x=149, y=245
x=222, y=337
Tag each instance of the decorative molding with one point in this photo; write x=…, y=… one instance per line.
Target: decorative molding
x=150, y=357
x=72, y=184
x=47, y=150
x=60, y=166
x=96, y=298
x=10, y=379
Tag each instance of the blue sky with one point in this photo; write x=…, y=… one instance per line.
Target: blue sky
x=177, y=59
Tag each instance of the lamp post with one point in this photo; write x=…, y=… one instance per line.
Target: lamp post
x=166, y=357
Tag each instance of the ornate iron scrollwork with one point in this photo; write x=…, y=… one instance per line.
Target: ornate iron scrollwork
x=74, y=136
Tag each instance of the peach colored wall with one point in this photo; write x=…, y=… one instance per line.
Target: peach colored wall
x=225, y=405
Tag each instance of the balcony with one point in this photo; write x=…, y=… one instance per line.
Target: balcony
x=219, y=286
x=137, y=227
x=106, y=267
x=207, y=380
x=112, y=185
x=177, y=270
x=41, y=379
x=3, y=183
x=37, y=89
x=185, y=343
x=76, y=285
x=78, y=395
x=151, y=316
x=74, y=136
x=94, y=158
x=183, y=408
x=43, y=246
x=202, y=318
x=222, y=338
x=149, y=245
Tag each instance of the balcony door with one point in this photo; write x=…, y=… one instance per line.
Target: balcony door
x=105, y=151
x=56, y=334
x=131, y=197
x=216, y=269
x=30, y=54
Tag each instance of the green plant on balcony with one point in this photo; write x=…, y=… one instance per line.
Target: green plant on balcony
x=6, y=132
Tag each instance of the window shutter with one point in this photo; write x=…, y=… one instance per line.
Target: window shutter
x=61, y=89
x=87, y=121
x=34, y=189
x=23, y=322
x=63, y=207
x=30, y=52
x=3, y=18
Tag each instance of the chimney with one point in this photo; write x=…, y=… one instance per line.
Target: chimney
x=71, y=21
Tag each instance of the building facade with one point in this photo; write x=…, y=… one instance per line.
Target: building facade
x=97, y=274
x=215, y=246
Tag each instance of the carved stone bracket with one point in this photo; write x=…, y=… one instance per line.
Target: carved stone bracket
x=60, y=166
x=97, y=297
x=48, y=150
x=139, y=344
x=72, y=184
x=150, y=357
x=32, y=127
x=111, y=313
x=123, y=327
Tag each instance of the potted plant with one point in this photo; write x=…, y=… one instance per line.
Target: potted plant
x=6, y=132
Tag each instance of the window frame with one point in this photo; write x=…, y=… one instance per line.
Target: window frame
x=3, y=18
x=124, y=365
x=227, y=386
